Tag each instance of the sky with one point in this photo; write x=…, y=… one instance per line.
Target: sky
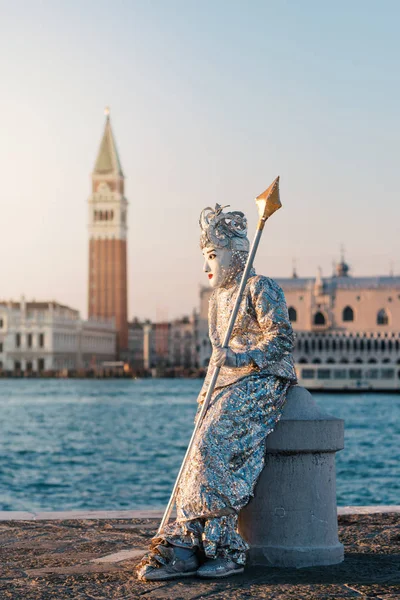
x=210, y=101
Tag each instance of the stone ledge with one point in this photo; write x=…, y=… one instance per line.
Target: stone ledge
x=6, y=515
x=78, y=559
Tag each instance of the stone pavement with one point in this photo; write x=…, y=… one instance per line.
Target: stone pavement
x=94, y=559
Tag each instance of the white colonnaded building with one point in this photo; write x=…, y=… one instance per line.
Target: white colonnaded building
x=347, y=329
x=47, y=336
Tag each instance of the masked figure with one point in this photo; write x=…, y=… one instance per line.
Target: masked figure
x=228, y=454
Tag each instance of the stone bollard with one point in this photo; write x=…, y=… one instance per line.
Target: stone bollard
x=292, y=519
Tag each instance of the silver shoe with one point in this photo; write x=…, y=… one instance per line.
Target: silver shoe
x=174, y=570
x=219, y=567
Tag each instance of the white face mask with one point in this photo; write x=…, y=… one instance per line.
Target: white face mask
x=217, y=262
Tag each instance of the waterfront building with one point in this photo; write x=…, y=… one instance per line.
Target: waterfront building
x=48, y=336
x=183, y=342
x=164, y=345
x=107, y=294
x=136, y=343
x=339, y=320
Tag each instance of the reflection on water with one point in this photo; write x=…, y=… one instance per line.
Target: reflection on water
x=110, y=444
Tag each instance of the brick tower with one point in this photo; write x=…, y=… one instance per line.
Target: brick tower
x=108, y=296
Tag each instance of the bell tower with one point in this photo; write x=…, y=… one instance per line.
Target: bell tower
x=108, y=295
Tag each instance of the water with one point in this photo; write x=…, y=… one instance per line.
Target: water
x=118, y=444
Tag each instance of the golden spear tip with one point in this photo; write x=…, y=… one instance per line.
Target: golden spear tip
x=269, y=201
x=107, y=111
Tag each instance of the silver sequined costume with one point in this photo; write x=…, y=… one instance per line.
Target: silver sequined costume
x=228, y=456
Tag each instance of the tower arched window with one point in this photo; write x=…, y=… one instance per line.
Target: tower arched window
x=382, y=318
x=292, y=314
x=319, y=319
x=348, y=314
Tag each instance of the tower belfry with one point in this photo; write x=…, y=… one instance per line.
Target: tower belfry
x=108, y=295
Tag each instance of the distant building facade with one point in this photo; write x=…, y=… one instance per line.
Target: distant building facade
x=48, y=336
x=338, y=319
x=164, y=345
x=107, y=294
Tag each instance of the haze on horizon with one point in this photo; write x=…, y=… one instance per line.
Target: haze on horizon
x=209, y=102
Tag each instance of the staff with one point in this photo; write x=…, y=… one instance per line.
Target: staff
x=267, y=203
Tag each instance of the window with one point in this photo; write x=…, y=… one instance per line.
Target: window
x=308, y=373
x=303, y=361
x=382, y=317
x=41, y=364
x=41, y=340
x=292, y=314
x=324, y=373
x=387, y=373
x=29, y=338
x=18, y=340
x=372, y=374
x=340, y=374
x=348, y=314
x=319, y=319
x=1, y=323
x=17, y=365
x=355, y=374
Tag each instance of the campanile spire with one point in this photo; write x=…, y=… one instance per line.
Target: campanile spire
x=108, y=238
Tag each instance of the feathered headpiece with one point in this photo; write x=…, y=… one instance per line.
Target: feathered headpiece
x=223, y=230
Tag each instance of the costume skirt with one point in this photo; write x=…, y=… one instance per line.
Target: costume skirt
x=226, y=461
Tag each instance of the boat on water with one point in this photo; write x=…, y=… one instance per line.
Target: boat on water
x=381, y=377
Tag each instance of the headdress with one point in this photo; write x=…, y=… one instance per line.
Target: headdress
x=223, y=230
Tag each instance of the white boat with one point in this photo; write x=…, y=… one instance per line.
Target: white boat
x=349, y=377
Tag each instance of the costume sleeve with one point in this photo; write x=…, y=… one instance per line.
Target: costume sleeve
x=272, y=316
